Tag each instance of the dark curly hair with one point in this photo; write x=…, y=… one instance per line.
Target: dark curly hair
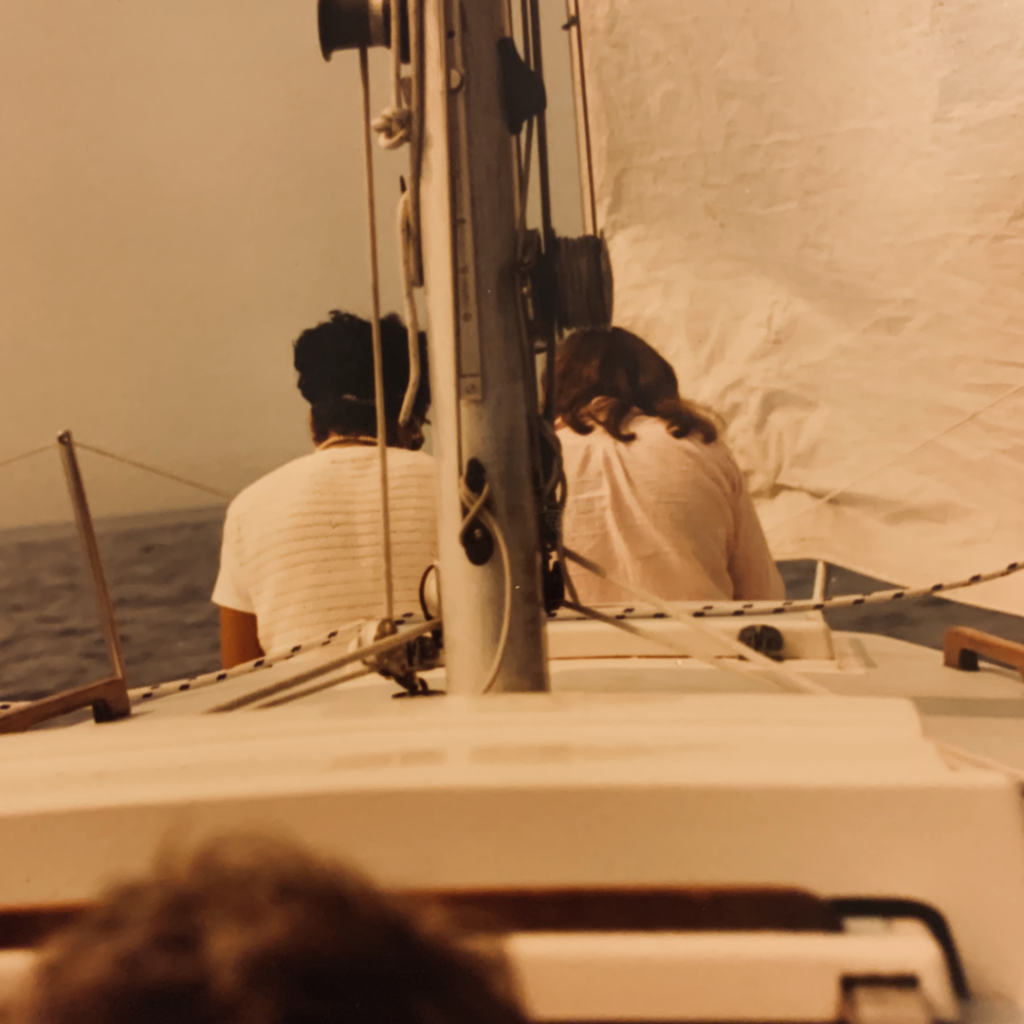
x=335, y=365
x=615, y=365
x=255, y=931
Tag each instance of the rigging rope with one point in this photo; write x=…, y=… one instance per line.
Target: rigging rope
x=378, y=362
x=25, y=455
x=398, y=124
x=134, y=463
x=343, y=633
x=394, y=125
x=152, y=469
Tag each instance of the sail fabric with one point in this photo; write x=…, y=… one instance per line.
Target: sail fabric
x=816, y=212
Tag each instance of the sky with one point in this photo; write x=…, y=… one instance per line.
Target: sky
x=182, y=194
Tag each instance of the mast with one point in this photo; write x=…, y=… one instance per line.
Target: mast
x=483, y=397
x=478, y=347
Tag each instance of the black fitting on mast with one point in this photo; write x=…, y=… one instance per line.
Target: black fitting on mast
x=360, y=24
x=477, y=540
x=522, y=89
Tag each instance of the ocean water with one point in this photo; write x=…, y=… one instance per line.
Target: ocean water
x=161, y=570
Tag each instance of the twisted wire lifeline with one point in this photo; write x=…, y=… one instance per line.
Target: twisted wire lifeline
x=735, y=608
x=378, y=360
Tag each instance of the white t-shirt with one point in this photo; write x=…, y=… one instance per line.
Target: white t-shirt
x=302, y=545
x=672, y=516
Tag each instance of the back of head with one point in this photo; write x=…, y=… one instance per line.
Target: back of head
x=335, y=365
x=256, y=932
x=604, y=375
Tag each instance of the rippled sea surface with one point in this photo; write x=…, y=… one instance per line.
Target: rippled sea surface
x=161, y=571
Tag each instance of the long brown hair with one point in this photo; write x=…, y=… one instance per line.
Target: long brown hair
x=612, y=363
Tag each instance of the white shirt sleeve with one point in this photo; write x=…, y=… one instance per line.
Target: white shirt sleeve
x=231, y=589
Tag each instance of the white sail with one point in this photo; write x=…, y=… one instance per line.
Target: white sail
x=816, y=211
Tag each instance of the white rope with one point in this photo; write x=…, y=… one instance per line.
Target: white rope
x=506, y=616
x=418, y=104
x=475, y=510
x=524, y=174
x=25, y=455
x=406, y=255
x=894, y=461
x=393, y=127
x=378, y=362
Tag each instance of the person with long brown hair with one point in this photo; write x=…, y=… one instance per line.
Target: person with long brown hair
x=654, y=495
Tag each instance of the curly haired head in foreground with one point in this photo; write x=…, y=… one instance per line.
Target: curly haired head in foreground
x=257, y=932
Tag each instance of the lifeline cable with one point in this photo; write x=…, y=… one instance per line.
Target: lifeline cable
x=25, y=455
x=737, y=608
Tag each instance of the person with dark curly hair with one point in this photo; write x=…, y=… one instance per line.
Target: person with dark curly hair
x=654, y=495
x=302, y=554
x=259, y=932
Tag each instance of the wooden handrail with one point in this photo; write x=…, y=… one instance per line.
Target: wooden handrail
x=962, y=645
x=497, y=911
x=109, y=699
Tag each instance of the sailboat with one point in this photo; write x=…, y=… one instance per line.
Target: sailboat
x=664, y=823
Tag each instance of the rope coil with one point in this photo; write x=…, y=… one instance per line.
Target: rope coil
x=476, y=509
x=393, y=127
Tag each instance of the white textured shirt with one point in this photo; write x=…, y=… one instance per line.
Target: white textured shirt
x=302, y=545
x=670, y=515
